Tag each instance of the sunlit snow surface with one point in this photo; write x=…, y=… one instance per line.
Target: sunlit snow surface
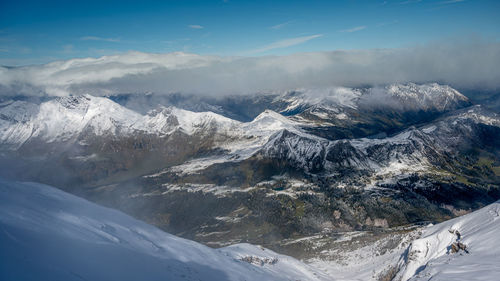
x=47, y=234
x=430, y=257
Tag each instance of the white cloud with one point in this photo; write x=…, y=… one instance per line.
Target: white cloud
x=195, y=26
x=451, y=1
x=470, y=63
x=285, y=43
x=96, y=38
x=409, y=2
x=354, y=29
x=280, y=25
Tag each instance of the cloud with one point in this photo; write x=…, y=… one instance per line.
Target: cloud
x=409, y=2
x=195, y=26
x=285, y=43
x=451, y=2
x=280, y=25
x=465, y=64
x=96, y=38
x=354, y=29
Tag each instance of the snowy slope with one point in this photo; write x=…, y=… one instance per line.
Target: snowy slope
x=47, y=234
x=246, y=139
x=62, y=119
x=431, y=256
x=166, y=120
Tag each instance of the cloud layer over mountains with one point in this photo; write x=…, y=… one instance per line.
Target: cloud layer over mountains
x=469, y=65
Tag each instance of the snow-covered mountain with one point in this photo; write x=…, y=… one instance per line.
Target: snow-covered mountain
x=66, y=118
x=411, y=150
x=402, y=97
x=47, y=234
x=80, y=118
x=426, y=96
x=71, y=119
x=354, y=113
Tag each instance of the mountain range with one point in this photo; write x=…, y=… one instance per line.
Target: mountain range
x=268, y=168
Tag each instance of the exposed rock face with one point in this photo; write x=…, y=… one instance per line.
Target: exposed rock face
x=457, y=246
x=259, y=261
x=376, y=222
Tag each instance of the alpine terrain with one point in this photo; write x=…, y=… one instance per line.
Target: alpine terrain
x=324, y=175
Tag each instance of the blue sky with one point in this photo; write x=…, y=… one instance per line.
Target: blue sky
x=34, y=32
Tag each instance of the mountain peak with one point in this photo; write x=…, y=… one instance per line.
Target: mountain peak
x=427, y=96
x=271, y=115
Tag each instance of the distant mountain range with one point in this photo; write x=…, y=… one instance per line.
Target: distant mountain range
x=267, y=167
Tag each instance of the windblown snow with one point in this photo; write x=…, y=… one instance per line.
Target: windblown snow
x=47, y=234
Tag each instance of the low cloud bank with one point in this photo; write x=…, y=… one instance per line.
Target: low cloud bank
x=466, y=65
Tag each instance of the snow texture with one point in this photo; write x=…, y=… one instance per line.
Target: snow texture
x=432, y=257
x=47, y=234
